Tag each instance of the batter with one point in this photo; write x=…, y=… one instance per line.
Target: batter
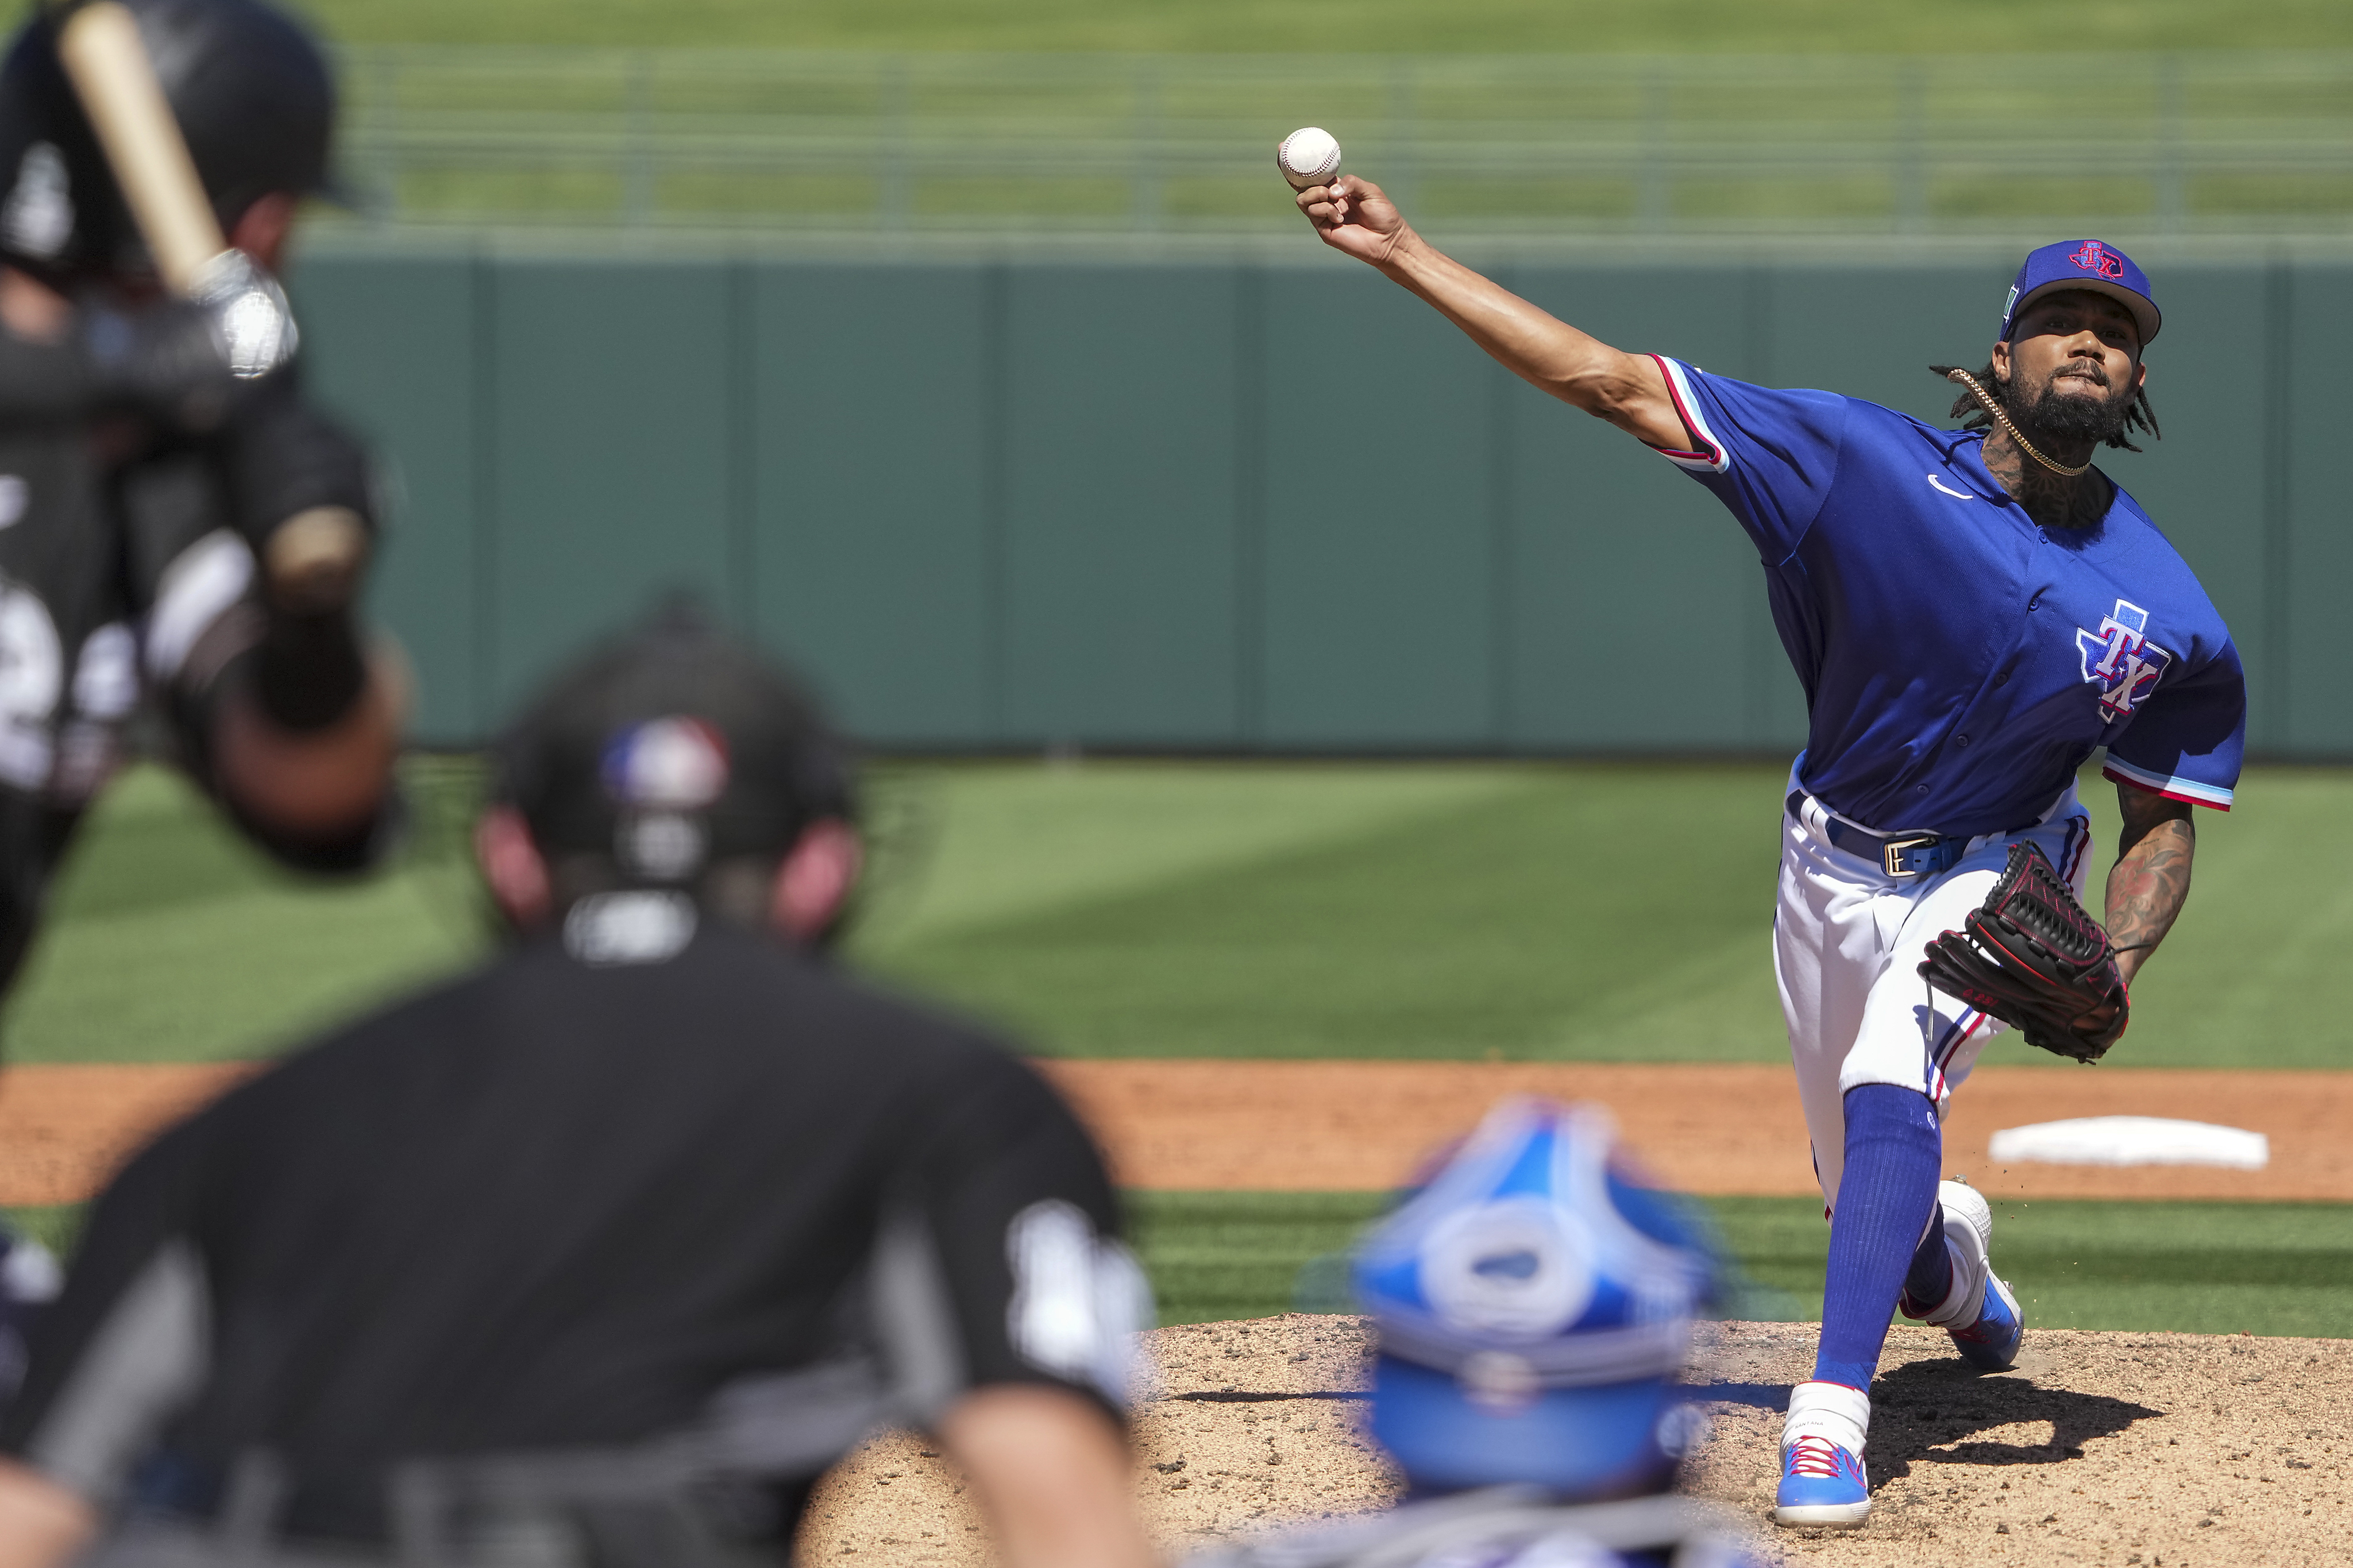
x=1973, y=613
x=178, y=536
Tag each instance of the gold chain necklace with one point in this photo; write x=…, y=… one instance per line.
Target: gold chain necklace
x=1986, y=402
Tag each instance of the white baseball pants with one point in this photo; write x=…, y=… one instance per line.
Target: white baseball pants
x=1848, y=940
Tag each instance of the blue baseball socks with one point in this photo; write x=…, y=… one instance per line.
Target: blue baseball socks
x=1929, y=1281
x=1887, y=1196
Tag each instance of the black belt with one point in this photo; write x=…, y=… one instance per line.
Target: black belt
x=1897, y=854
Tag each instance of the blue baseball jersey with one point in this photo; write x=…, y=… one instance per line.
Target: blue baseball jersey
x=1960, y=662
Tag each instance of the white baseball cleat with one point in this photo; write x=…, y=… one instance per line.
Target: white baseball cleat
x=1823, y=1481
x=1980, y=1312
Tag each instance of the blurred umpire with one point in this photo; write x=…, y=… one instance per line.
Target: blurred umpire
x=599, y=1256
x=178, y=529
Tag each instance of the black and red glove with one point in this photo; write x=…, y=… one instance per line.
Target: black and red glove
x=2034, y=958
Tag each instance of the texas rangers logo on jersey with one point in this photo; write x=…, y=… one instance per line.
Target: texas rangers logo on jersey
x=2120, y=660
x=2094, y=256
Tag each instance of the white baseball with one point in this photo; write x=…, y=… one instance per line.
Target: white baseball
x=1308, y=158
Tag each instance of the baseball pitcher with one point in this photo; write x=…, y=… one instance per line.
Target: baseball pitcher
x=1973, y=613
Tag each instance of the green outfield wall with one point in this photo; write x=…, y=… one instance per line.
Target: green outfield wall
x=1227, y=506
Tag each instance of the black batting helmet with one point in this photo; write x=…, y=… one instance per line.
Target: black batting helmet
x=252, y=93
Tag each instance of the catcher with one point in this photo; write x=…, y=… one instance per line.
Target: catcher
x=1533, y=1300
x=1973, y=612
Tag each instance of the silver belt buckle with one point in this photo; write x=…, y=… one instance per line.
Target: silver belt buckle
x=1894, y=848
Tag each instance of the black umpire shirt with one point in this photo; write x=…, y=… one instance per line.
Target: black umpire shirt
x=623, y=1182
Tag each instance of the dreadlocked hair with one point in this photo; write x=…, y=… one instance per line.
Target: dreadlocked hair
x=2139, y=415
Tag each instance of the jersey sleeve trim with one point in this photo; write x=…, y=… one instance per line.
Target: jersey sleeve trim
x=149, y=1356
x=2172, y=787
x=199, y=585
x=1712, y=459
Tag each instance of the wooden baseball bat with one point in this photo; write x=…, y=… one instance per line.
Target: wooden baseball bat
x=99, y=46
x=316, y=554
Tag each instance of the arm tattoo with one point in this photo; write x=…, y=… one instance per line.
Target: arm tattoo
x=2151, y=877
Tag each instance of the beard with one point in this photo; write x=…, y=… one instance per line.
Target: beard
x=2071, y=416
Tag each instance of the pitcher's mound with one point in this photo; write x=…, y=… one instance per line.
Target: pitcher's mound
x=2163, y=1450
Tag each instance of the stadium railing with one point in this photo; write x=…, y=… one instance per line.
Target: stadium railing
x=2232, y=143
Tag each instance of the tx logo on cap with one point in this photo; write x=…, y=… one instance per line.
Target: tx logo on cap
x=666, y=765
x=2094, y=256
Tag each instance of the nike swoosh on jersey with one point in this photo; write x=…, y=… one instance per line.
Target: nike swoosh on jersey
x=1956, y=495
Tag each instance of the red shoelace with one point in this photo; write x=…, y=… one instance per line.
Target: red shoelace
x=1817, y=1456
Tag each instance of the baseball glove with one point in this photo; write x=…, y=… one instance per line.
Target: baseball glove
x=2031, y=956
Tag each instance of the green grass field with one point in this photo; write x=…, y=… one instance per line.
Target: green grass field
x=1545, y=912
x=1354, y=26
x=2261, y=1268
x=1576, y=911
x=2221, y=1268
x=169, y=939
x=1536, y=911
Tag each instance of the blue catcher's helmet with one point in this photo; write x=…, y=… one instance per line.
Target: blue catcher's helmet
x=1534, y=1303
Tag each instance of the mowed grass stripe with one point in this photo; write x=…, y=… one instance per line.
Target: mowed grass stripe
x=1603, y=913
x=1215, y=1256
x=169, y=938
x=1570, y=916
x=1539, y=911
x=980, y=844
x=2263, y=1268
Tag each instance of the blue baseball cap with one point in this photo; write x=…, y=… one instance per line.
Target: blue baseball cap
x=2090, y=264
x=1534, y=1304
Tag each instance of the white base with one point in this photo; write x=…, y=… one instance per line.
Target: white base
x=2132, y=1141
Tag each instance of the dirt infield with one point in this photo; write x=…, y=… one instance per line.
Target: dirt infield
x=2178, y=1451
x=63, y=1130
x=1719, y=1127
